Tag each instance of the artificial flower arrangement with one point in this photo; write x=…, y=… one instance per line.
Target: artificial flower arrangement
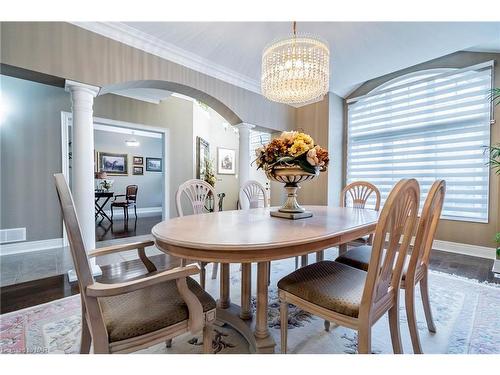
x=292, y=148
x=209, y=173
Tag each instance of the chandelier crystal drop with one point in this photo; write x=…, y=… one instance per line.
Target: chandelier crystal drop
x=296, y=70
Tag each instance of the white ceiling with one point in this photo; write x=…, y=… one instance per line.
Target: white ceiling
x=359, y=50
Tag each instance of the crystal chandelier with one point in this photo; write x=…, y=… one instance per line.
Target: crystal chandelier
x=296, y=69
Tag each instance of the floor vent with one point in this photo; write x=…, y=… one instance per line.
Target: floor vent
x=12, y=235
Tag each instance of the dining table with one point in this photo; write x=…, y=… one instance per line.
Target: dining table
x=254, y=236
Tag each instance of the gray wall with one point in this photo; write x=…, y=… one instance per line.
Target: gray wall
x=150, y=185
x=30, y=155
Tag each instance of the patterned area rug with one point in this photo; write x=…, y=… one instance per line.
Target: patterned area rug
x=465, y=314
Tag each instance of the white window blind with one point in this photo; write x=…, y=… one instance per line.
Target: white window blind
x=258, y=139
x=429, y=125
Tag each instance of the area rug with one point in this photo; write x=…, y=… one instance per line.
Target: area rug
x=465, y=313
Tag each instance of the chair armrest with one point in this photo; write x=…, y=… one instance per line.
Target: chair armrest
x=107, y=290
x=118, y=195
x=118, y=248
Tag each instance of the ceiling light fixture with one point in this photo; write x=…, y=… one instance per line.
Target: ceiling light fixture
x=132, y=142
x=296, y=69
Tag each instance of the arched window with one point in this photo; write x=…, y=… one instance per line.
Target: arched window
x=432, y=124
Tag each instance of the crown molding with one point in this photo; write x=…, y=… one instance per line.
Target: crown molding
x=134, y=38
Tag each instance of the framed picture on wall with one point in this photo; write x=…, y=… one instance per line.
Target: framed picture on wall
x=137, y=170
x=226, y=161
x=138, y=160
x=154, y=164
x=113, y=164
x=202, y=154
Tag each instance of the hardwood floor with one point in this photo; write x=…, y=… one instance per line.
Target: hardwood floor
x=120, y=228
x=19, y=296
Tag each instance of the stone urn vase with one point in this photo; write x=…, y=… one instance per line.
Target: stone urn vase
x=291, y=176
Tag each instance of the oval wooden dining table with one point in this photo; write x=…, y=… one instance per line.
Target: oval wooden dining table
x=248, y=236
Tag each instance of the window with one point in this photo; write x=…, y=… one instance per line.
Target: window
x=429, y=125
x=258, y=139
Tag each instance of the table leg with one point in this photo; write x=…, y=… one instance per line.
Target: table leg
x=224, y=300
x=261, y=329
x=320, y=256
x=303, y=260
x=246, y=291
x=342, y=249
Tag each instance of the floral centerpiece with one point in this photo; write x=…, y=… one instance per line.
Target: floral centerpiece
x=291, y=158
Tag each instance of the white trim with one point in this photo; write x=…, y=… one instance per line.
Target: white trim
x=459, y=248
x=144, y=211
x=122, y=130
x=30, y=246
x=132, y=37
x=465, y=249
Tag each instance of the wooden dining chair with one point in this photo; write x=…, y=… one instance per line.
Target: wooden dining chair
x=197, y=193
x=355, y=298
x=250, y=195
x=416, y=265
x=137, y=313
x=129, y=201
x=356, y=194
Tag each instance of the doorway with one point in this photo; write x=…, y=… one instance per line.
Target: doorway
x=130, y=154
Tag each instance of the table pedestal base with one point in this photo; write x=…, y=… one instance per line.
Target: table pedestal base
x=246, y=328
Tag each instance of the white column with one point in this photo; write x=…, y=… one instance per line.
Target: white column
x=244, y=153
x=82, y=101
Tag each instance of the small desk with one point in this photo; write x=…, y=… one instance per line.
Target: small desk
x=99, y=208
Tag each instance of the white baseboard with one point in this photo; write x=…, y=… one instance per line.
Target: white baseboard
x=30, y=246
x=465, y=249
x=141, y=212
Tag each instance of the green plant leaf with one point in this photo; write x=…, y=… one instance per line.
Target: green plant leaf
x=304, y=164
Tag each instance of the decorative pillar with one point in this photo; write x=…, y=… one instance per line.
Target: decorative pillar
x=244, y=153
x=82, y=101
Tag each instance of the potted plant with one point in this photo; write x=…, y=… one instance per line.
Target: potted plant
x=292, y=158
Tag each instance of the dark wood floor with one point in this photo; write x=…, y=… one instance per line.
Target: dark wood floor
x=120, y=228
x=19, y=296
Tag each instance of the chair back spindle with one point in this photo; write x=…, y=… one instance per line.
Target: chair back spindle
x=397, y=222
x=427, y=226
x=197, y=193
x=357, y=193
x=251, y=193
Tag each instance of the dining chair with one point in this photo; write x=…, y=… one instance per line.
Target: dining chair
x=356, y=194
x=416, y=267
x=250, y=195
x=197, y=193
x=355, y=298
x=130, y=201
x=137, y=313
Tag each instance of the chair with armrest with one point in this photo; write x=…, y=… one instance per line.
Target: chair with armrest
x=416, y=266
x=130, y=201
x=137, y=313
x=355, y=298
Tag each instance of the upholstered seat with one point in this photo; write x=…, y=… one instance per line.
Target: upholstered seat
x=149, y=309
x=331, y=285
x=359, y=257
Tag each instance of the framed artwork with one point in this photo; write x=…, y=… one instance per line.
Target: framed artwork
x=113, y=164
x=226, y=161
x=202, y=154
x=138, y=160
x=154, y=164
x=137, y=170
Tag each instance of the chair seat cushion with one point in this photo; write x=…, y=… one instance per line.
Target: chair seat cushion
x=359, y=257
x=150, y=309
x=331, y=285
